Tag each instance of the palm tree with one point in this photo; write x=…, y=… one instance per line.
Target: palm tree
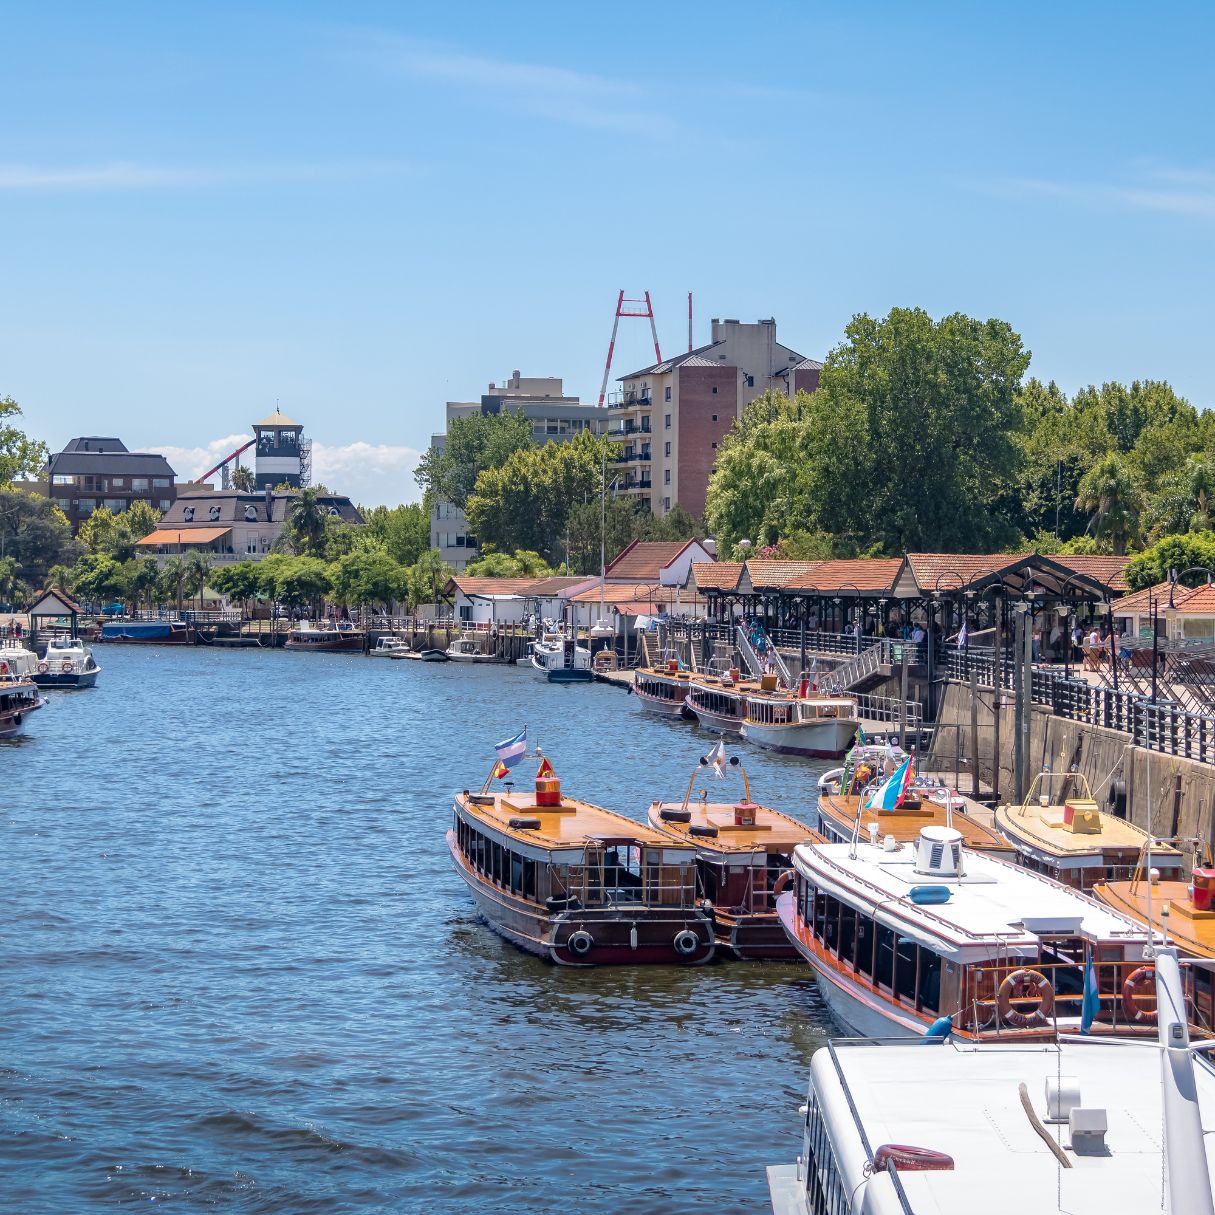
x=198, y=569
x=1110, y=495
x=306, y=523
x=242, y=479
x=59, y=577
x=173, y=578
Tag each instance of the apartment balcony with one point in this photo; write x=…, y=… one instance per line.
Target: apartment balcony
x=629, y=400
x=630, y=428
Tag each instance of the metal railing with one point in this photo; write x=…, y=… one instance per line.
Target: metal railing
x=890, y=709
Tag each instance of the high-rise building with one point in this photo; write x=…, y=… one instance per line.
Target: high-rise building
x=668, y=419
x=554, y=418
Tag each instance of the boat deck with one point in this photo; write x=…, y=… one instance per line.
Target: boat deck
x=772, y=831
x=1191, y=930
x=905, y=822
x=572, y=824
x=1043, y=827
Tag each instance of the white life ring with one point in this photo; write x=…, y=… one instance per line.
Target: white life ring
x=42, y=668
x=66, y=667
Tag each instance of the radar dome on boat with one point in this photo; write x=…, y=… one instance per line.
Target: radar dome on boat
x=938, y=852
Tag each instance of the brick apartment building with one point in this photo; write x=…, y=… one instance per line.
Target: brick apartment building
x=669, y=418
x=555, y=418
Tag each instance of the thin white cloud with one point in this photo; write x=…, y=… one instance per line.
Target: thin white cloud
x=1174, y=191
x=563, y=95
x=375, y=474
x=127, y=175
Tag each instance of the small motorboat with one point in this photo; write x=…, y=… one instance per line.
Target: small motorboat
x=560, y=659
x=467, y=648
x=433, y=655
x=325, y=638
x=18, y=699
x=390, y=647
x=67, y=663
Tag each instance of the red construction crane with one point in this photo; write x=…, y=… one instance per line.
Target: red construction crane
x=640, y=308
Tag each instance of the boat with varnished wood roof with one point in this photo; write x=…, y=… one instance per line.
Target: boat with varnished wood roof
x=718, y=702
x=663, y=690
x=743, y=861
x=577, y=884
x=1059, y=830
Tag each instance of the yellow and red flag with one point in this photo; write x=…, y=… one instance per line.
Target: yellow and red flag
x=545, y=769
x=500, y=770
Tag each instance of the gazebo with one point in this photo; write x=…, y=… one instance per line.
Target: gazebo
x=52, y=605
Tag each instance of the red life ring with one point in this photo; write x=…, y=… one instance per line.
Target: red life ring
x=1021, y=986
x=1139, y=983
x=782, y=883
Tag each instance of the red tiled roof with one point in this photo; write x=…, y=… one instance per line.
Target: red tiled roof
x=1201, y=599
x=942, y=571
x=765, y=573
x=549, y=586
x=644, y=560
x=1109, y=570
x=716, y=575
x=875, y=574
x=640, y=594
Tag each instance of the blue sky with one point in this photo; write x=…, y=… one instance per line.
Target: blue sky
x=364, y=210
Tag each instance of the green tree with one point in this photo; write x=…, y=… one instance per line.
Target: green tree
x=97, y=531
x=20, y=456
x=307, y=520
x=243, y=480
x=142, y=518
x=526, y=503
x=523, y=564
x=172, y=584
x=240, y=581
x=474, y=444
x=35, y=532
x=302, y=580
x=8, y=579
x=60, y=577
x=404, y=531
x=141, y=581
x=198, y=570
x=1172, y=553
x=427, y=577
x=98, y=579
x=1111, y=497
x=368, y=576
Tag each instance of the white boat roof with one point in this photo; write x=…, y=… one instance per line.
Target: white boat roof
x=964, y=1101
x=995, y=907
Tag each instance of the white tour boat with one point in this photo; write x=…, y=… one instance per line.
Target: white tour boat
x=560, y=659
x=904, y=938
x=67, y=663
x=1088, y=1126
x=390, y=647
x=814, y=725
x=468, y=648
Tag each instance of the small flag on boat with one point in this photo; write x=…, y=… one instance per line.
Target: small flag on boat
x=545, y=769
x=512, y=750
x=1091, y=1004
x=717, y=758
x=889, y=795
x=500, y=770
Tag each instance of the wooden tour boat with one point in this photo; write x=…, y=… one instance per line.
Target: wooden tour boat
x=577, y=884
x=927, y=804
x=326, y=638
x=1059, y=830
x=813, y=724
x=934, y=937
x=663, y=690
x=717, y=701
x=18, y=699
x=742, y=851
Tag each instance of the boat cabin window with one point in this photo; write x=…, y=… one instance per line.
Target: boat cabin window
x=510, y=870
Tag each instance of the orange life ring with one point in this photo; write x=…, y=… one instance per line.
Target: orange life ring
x=66, y=667
x=42, y=668
x=1139, y=983
x=1021, y=986
x=782, y=883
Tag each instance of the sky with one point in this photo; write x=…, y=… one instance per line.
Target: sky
x=360, y=211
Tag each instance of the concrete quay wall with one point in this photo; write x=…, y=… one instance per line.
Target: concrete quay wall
x=1166, y=795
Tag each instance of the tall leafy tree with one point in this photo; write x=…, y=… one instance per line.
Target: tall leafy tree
x=36, y=533
x=474, y=444
x=1113, y=501
x=404, y=531
x=306, y=523
x=20, y=456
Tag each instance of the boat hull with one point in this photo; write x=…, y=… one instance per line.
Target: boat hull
x=12, y=722
x=146, y=633
x=858, y=1009
x=759, y=938
x=714, y=721
x=339, y=645
x=826, y=739
x=68, y=681
x=546, y=933
x=661, y=706
x=566, y=675
x=433, y=656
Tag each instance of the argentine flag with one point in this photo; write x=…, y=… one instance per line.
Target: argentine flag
x=1091, y=1005
x=512, y=750
x=890, y=792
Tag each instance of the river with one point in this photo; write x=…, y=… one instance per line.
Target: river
x=240, y=973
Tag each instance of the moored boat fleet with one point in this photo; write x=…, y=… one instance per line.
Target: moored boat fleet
x=65, y=663
x=1009, y=940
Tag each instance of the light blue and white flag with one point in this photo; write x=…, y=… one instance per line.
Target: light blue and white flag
x=512, y=750
x=1091, y=1005
x=890, y=792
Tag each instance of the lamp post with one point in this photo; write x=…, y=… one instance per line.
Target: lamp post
x=849, y=586
x=806, y=586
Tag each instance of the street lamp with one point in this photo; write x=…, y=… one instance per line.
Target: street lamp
x=850, y=586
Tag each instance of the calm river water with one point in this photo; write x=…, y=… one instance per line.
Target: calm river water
x=240, y=974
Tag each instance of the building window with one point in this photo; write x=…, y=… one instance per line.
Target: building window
x=64, y=504
x=714, y=446
x=668, y=449
x=117, y=483
x=666, y=476
x=667, y=421
x=666, y=504
x=139, y=485
x=666, y=393
x=86, y=506
x=161, y=482
x=165, y=504
x=750, y=382
x=59, y=479
x=115, y=505
x=714, y=417
x=714, y=389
